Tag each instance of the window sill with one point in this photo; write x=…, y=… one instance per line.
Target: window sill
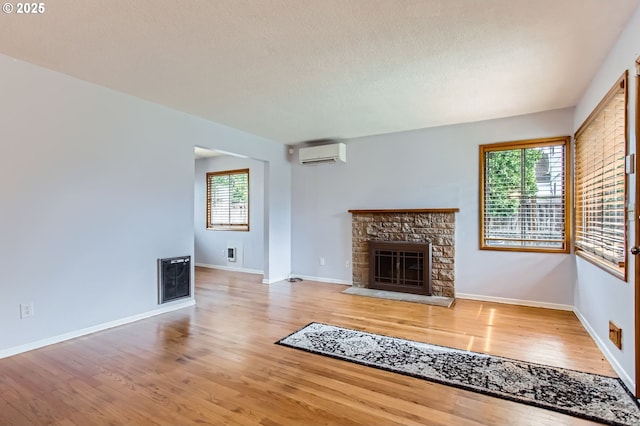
x=618, y=272
x=242, y=228
x=526, y=249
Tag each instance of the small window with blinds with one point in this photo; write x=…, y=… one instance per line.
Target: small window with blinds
x=228, y=200
x=600, y=184
x=524, y=203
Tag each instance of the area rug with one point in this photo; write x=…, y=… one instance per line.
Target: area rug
x=589, y=396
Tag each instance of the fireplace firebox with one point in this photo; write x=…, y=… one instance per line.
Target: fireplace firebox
x=400, y=266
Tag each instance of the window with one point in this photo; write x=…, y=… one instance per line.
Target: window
x=600, y=187
x=523, y=195
x=228, y=200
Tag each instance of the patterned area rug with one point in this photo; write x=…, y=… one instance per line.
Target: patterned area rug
x=590, y=396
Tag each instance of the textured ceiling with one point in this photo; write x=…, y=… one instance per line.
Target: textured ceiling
x=296, y=70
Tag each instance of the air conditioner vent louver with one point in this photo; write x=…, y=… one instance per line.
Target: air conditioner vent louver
x=323, y=154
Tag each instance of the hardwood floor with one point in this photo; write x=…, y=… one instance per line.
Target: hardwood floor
x=217, y=363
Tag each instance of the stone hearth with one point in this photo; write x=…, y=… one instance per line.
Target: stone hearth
x=436, y=226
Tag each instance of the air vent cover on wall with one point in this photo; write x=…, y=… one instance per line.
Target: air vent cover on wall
x=174, y=278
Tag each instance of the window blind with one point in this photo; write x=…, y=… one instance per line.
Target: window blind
x=524, y=203
x=600, y=185
x=228, y=200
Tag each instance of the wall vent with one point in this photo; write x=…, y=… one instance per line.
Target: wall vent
x=231, y=254
x=174, y=278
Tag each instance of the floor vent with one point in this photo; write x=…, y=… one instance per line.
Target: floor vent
x=174, y=278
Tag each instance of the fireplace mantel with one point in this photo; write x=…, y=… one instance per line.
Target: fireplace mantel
x=452, y=210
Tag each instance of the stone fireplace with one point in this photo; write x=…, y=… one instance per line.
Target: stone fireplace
x=433, y=227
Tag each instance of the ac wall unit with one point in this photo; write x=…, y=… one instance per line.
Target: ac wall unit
x=333, y=153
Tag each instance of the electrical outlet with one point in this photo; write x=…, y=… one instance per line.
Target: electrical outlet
x=322, y=261
x=26, y=310
x=615, y=335
x=347, y=264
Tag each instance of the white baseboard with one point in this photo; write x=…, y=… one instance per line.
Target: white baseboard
x=628, y=381
x=82, y=332
x=531, y=303
x=273, y=280
x=230, y=268
x=323, y=279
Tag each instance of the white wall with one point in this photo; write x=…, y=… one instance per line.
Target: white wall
x=429, y=168
x=95, y=187
x=210, y=246
x=277, y=189
x=600, y=297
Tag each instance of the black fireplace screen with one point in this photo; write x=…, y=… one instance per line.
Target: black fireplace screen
x=400, y=266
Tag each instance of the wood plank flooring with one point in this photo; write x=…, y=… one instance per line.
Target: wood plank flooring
x=217, y=364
